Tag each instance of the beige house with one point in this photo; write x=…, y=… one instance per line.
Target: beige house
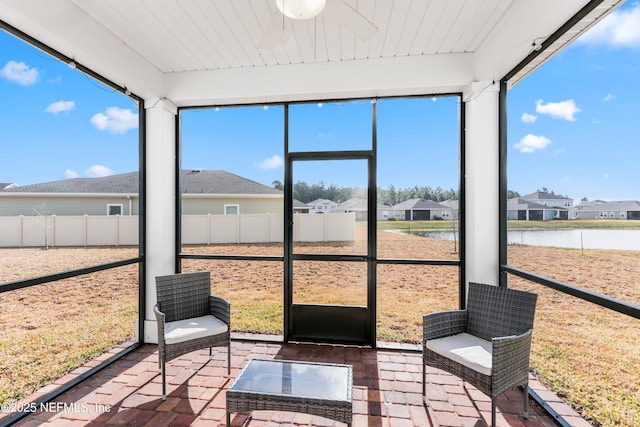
x=203, y=192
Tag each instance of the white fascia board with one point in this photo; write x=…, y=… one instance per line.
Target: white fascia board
x=410, y=75
x=64, y=27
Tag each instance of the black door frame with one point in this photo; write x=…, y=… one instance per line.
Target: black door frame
x=330, y=323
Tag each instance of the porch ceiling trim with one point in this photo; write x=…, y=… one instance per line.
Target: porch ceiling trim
x=196, y=52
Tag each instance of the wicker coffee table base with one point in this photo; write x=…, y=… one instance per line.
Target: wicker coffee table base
x=243, y=402
x=322, y=389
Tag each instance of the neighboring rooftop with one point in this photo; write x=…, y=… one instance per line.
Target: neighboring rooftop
x=452, y=204
x=419, y=204
x=519, y=203
x=355, y=204
x=192, y=182
x=618, y=205
x=544, y=195
x=321, y=201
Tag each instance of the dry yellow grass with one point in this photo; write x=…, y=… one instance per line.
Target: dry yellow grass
x=49, y=330
x=587, y=354
x=583, y=352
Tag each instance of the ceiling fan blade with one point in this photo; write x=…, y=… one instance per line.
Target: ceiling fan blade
x=273, y=32
x=344, y=14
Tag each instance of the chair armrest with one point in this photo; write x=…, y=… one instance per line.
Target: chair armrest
x=510, y=364
x=220, y=308
x=160, y=316
x=443, y=324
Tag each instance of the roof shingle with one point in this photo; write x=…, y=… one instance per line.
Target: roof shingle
x=192, y=182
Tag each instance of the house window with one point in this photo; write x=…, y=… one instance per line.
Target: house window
x=114, y=209
x=231, y=209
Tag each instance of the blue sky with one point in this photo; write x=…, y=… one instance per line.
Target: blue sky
x=573, y=123
x=411, y=133
x=571, y=126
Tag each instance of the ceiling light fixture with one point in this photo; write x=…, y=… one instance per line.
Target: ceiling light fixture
x=300, y=9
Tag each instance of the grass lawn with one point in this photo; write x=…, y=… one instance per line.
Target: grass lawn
x=586, y=354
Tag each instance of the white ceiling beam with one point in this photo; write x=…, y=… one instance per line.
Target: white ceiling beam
x=358, y=78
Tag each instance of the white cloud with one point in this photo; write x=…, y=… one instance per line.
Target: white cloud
x=68, y=174
x=97, y=171
x=60, y=106
x=621, y=29
x=560, y=110
x=272, y=162
x=528, y=118
x=115, y=120
x=19, y=72
x=531, y=143
x=609, y=97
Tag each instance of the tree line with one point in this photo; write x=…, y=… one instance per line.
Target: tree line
x=390, y=196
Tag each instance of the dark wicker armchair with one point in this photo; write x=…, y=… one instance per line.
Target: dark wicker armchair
x=189, y=318
x=487, y=344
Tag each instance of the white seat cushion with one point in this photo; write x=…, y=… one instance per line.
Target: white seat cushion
x=188, y=329
x=466, y=349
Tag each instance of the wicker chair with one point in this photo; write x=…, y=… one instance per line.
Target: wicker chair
x=487, y=344
x=189, y=318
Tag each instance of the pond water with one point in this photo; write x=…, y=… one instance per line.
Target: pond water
x=621, y=239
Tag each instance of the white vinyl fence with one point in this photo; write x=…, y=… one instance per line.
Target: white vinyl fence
x=116, y=230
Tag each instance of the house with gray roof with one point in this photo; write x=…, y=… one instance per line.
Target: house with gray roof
x=563, y=203
x=421, y=210
x=203, y=192
x=454, y=205
x=599, y=209
x=301, y=207
x=359, y=207
x=521, y=209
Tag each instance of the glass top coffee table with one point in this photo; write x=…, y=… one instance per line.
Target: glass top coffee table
x=321, y=389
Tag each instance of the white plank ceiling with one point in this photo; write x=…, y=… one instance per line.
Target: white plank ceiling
x=206, y=51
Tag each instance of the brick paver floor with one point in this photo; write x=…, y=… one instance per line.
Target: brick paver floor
x=387, y=391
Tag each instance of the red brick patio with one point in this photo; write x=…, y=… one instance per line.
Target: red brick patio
x=387, y=392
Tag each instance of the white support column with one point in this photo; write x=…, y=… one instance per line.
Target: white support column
x=160, y=213
x=481, y=175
